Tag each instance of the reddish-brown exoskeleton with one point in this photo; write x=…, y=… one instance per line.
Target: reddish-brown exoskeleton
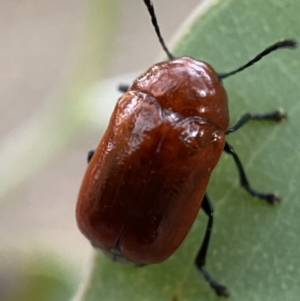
x=146, y=180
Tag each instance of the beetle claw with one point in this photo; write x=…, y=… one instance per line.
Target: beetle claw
x=221, y=290
x=279, y=115
x=270, y=198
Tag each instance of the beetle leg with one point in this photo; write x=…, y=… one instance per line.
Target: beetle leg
x=123, y=88
x=90, y=155
x=271, y=198
x=277, y=116
x=220, y=289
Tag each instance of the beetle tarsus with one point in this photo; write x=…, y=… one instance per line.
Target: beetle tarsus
x=270, y=198
x=220, y=289
x=276, y=116
x=123, y=88
x=90, y=155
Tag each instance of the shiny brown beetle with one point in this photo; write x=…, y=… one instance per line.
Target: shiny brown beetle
x=147, y=179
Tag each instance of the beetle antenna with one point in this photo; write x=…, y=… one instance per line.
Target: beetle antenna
x=156, y=27
x=292, y=44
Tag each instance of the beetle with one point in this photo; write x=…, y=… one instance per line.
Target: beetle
x=147, y=179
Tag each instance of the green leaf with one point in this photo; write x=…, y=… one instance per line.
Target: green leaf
x=255, y=247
